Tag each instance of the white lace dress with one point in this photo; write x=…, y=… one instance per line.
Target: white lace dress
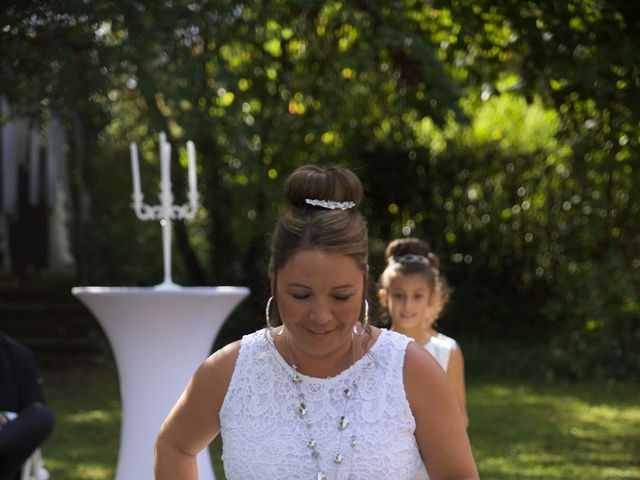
x=264, y=437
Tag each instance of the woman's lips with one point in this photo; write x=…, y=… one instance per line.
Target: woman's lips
x=319, y=332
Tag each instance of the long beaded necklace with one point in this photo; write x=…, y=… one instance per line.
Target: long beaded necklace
x=342, y=423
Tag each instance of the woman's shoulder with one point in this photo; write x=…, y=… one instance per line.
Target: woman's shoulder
x=226, y=357
x=220, y=364
x=425, y=381
x=420, y=365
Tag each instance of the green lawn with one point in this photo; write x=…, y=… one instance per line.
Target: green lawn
x=586, y=431
x=519, y=430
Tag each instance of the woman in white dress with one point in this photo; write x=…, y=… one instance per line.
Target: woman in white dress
x=414, y=293
x=319, y=394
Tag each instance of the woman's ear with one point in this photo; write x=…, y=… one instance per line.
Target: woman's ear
x=382, y=296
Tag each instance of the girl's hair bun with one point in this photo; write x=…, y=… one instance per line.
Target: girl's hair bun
x=411, y=246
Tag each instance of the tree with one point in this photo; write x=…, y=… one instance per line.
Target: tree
x=504, y=131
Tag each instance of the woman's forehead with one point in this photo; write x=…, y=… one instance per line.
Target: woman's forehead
x=318, y=264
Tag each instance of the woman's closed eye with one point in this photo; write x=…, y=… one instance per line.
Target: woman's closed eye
x=342, y=297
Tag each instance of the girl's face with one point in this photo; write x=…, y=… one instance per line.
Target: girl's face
x=320, y=297
x=408, y=299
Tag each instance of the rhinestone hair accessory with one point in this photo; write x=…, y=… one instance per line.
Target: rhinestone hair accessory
x=410, y=258
x=329, y=204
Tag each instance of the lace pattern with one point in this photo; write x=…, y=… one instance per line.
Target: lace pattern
x=264, y=440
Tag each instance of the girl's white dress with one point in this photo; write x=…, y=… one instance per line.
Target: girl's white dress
x=441, y=347
x=264, y=437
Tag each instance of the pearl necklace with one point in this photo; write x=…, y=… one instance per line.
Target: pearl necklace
x=342, y=423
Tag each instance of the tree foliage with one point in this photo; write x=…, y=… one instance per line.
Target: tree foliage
x=505, y=132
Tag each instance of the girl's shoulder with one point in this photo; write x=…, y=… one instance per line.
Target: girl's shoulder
x=443, y=340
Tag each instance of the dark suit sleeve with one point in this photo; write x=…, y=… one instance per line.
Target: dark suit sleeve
x=20, y=384
x=30, y=383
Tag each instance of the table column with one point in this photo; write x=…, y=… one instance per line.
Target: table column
x=158, y=337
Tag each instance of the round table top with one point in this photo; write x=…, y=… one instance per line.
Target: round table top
x=161, y=291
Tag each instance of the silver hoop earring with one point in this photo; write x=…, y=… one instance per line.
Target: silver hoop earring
x=365, y=321
x=267, y=317
x=266, y=312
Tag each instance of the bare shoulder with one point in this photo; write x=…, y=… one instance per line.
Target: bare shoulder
x=194, y=420
x=440, y=425
x=456, y=355
x=426, y=384
x=209, y=384
x=420, y=367
x=217, y=369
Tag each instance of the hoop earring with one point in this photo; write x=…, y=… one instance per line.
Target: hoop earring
x=267, y=318
x=365, y=321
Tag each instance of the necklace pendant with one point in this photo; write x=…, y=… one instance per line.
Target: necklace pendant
x=301, y=409
x=342, y=423
x=338, y=459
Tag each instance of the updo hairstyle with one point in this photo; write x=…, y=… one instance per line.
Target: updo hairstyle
x=301, y=226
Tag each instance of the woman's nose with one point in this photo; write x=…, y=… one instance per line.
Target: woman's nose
x=320, y=312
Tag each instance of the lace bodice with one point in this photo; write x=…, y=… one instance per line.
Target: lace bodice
x=264, y=438
x=441, y=346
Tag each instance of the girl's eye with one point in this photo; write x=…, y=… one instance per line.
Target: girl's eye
x=300, y=296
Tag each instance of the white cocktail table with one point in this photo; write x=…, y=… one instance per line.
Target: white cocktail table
x=158, y=337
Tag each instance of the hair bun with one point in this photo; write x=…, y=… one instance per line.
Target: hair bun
x=411, y=246
x=335, y=186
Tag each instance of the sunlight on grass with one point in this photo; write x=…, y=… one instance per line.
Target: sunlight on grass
x=93, y=416
x=81, y=471
x=86, y=402
x=550, y=431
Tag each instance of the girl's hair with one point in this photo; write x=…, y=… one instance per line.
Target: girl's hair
x=406, y=256
x=303, y=226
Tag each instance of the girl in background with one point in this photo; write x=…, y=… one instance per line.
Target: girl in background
x=414, y=293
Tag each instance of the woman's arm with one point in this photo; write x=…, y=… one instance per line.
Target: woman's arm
x=194, y=420
x=455, y=372
x=440, y=431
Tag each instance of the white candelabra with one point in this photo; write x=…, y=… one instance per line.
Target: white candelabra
x=166, y=211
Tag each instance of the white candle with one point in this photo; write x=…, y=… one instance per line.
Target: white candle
x=191, y=156
x=135, y=169
x=165, y=170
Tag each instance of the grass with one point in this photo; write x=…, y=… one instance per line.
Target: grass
x=519, y=430
x=587, y=431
